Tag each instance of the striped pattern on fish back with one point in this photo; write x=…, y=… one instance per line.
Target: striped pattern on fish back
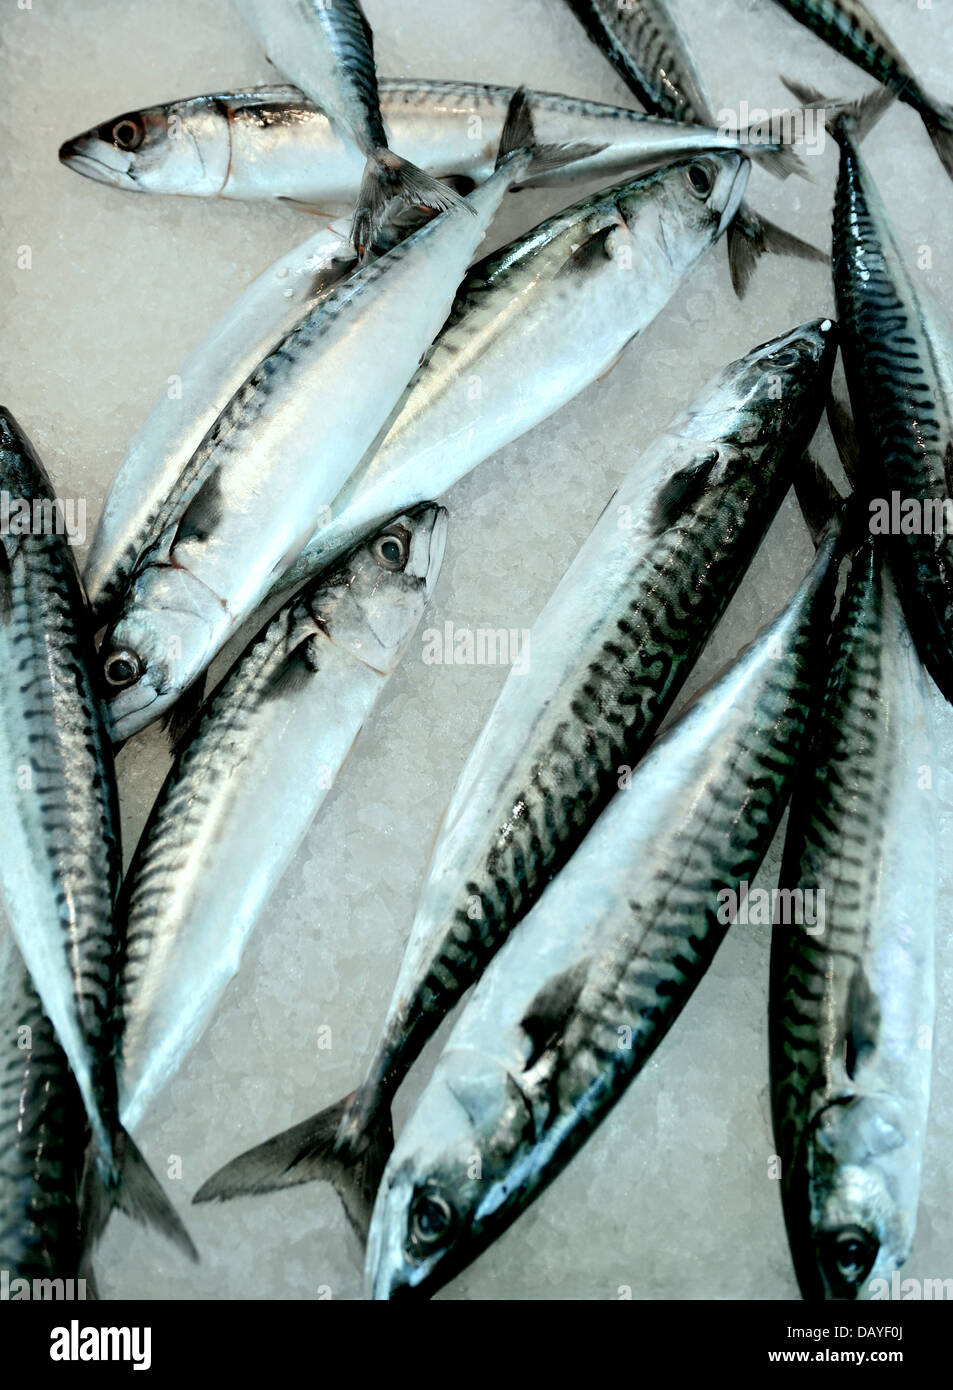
x=352, y=42
x=648, y=51
x=665, y=939
x=55, y=718
x=637, y=662
x=851, y=30
x=209, y=757
x=834, y=842
x=42, y=1136
x=899, y=400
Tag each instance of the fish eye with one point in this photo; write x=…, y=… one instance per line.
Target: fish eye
x=431, y=1218
x=700, y=179
x=122, y=668
x=127, y=133
x=848, y=1255
x=392, y=548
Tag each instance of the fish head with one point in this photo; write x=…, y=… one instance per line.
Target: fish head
x=163, y=638
x=372, y=602
x=449, y=1186
x=862, y=1179
x=771, y=396
x=693, y=200
x=179, y=148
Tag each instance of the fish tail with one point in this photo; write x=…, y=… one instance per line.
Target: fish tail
x=326, y=1147
x=126, y=1181
x=856, y=116
x=939, y=127
x=779, y=159
x=752, y=236
x=388, y=177
x=518, y=135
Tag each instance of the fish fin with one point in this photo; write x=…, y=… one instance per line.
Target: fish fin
x=841, y=423
x=203, y=513
x=860, y=114
x=817, y=497
x=6, y=585
x=751, y=236
x=939, y=127
x=862, y=1022
x=780, y=160
x=518, y=135
x=680, y=490
x=181, y=720
x=387, y=176
x=310, y=1152
x=594, y=248
x=295, y=672
x=948, y=468
x=129, y=1184
x=550, y=1011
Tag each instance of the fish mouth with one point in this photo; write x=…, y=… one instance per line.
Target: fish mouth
x=75, y=154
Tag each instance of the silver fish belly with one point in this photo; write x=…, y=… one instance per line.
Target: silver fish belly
x=245, y=789
x=852, y=996
x=584, y=991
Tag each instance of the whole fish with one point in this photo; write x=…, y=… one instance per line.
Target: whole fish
x=648, y=50
x=852, y=997
x=610, y=651
x=272, y=143
x=42, y=1135
x=252, y=494
x=580, y=997
x=59, y=870
x=897, y=346
x=328, y=51
x=203, y=386
x=244, y=790
x=534, y=324
x=851, y=30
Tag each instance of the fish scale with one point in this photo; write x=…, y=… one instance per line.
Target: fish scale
x=614, y=946
x=898, y=356
x=864, y=832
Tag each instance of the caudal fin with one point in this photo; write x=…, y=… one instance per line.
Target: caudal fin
x=939, y=127
x=130, y=1185
x=752, y=236
x=780, y=160
x=311, y=1152
x=388, y=177
x=862, y=113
